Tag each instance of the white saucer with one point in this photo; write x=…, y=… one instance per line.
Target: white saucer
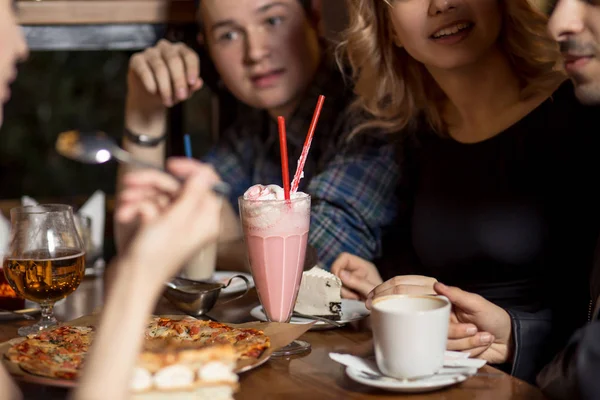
x=429, y=384
x=352, y=310
x=237, y=285
x=7, y=316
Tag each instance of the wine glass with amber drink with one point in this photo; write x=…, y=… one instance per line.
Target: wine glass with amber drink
x=45, y=261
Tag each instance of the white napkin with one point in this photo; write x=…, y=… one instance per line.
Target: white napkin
x=27, y=201
x=95, y=208
x=4, y=234
x=454, y=362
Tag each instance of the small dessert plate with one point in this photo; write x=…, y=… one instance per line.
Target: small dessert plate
x=237, y=286
x=352, y=310
x=11, y=315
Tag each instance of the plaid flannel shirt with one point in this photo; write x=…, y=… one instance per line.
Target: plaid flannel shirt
x=351, y=182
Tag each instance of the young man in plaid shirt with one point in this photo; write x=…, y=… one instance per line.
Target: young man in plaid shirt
x=270, y=56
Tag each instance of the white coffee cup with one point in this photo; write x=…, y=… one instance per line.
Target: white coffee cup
x=410, y=333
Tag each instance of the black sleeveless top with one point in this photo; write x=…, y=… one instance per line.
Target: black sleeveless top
x=514, y=218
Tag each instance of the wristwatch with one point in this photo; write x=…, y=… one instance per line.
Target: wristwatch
x=144, y=140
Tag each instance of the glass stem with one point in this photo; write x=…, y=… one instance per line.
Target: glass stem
x=48, y=318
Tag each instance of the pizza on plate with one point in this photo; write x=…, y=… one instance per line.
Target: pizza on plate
x=248, y=342
x=54, y=353
x=60, y=352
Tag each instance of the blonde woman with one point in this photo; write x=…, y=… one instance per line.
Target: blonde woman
x=494, y=148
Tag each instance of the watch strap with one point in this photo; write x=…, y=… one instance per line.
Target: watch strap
x=144, y=140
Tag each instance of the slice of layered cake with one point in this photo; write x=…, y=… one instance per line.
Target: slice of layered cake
x=320, y=294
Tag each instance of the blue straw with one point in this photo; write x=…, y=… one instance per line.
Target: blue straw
x=187, y=143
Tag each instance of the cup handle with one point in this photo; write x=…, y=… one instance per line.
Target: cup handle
x=242, y=277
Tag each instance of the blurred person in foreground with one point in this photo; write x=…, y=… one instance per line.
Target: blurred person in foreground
x=178, y=216
x=271, y=57
x=13, y=49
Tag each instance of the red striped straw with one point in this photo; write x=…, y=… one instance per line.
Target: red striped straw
x=285, y=170
x=307, y=142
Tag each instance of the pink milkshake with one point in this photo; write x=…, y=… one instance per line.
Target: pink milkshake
x=276, y=232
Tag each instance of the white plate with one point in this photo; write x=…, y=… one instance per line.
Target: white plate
x=395, y=385
x=237, y=285
x=8, y=316
x=352, y=310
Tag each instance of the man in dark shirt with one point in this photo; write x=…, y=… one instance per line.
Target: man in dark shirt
x=270, y=56
x=575, y=24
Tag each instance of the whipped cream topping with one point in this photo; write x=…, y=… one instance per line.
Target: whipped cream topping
x=269, y=192
x=263, y=211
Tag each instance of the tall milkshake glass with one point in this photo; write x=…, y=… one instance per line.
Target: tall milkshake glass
x=275, y=233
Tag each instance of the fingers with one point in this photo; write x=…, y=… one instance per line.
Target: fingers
x=359, y=285
x=470, y=343
x=411, y=283
x=147, y=212
x=355, y=273
x=145, y=193
x=196, y=211
x=461, y=331
x=468, y=302
x=197, y=189
x=139, y=66
x=176, y=68
x=132, y=195
x=131, y=200
x=161, y=75
x=416, y=280
x=349, y=294
x=339, y=264
x=453, y=318
x=150, y=178
x=186, y=167
x=192, y=67
x=350, y=262
x=403, y=284
x=476, y=352
x=170, y=70
x=184, y=66
x=395, y=290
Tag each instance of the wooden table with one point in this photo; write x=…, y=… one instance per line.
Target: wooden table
x=313, y=376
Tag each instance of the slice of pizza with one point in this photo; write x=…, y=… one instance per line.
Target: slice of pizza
x=249, y=343
x=187, y=328
x=54, y=353
x=171, y=365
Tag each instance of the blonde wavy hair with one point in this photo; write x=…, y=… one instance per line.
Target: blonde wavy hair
x=397, y=92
